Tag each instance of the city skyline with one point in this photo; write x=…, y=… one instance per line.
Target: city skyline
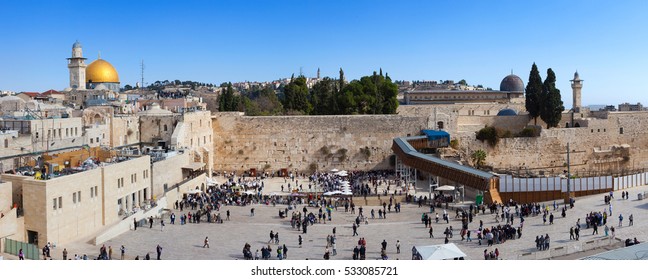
x=223, y=41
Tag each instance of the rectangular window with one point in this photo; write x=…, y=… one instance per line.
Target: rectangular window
x=60, y=200
x=621, y=130
x=96, y=190
x=74, y=195
x=92, y=192
x=54, y=203
x=79, y=195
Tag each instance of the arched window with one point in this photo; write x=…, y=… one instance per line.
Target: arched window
x=439, y=125
x=165, y=127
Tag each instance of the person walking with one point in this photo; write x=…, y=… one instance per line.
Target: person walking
x=577, y=233
x=228, y=215
x=630, y=220
x=431, y=232
x=300, y=239
x=355, y=229
x=151, y=222
x=158, y=249
x=398, y=246
x=123, y=251
x=206, y=243
x=134, y=224
x=620, y=220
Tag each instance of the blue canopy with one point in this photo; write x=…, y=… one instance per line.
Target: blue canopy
x=436, y=135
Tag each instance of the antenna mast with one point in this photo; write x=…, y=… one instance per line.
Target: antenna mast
x=142, y=84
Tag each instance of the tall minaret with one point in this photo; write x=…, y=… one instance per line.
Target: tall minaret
x=77, y=67
x=576, y=85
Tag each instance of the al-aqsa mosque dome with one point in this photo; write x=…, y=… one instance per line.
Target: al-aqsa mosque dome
x=512, y=83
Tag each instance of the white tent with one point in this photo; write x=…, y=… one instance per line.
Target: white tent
x=445, y=188
x=334, y=170
x=437, y=252
x=193, y=191
x=211, y=182
x=332, y=193
x=249, y=192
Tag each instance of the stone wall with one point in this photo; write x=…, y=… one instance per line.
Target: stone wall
x=616, y=144
x=307, y=142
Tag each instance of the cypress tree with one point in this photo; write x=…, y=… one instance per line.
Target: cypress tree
x=552, y=105
x=533, y=93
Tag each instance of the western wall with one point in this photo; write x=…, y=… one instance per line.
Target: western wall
x=306, y=143
x=605, y=142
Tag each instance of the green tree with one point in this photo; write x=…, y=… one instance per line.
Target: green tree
x=323, y=97
x=534, y=93
x=227, y=101
x=552, y=105
x=375, y=94
x=478, y=157
x=296, y=97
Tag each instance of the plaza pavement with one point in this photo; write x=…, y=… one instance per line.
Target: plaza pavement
x=185, y=242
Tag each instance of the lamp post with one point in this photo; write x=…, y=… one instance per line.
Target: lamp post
x=568, y=198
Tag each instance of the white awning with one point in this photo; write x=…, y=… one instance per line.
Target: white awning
x=445, y=188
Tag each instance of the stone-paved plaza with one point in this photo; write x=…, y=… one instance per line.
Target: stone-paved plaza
x=185, y=242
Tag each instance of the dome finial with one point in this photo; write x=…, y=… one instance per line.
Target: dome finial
x=99, y=55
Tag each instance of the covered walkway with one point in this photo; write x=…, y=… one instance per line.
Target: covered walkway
x=406, y=152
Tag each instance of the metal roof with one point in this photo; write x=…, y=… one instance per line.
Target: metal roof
x=634, y=252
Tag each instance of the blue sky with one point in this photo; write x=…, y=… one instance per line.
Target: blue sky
x=217, y=41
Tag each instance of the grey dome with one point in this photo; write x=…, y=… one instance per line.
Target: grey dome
x=507, y=112
x=512, y=83
x=76, y=45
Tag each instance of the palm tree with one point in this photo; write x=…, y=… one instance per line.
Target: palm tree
x=478, y=157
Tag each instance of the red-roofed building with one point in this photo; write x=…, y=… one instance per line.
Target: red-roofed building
x=54, y=94
x=27, y=95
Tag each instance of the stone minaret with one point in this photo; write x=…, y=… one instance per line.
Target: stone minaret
x=77, y=67
x=576, y=85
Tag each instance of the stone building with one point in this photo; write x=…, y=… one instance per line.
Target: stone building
x=511, y=91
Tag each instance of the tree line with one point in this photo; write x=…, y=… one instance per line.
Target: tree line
x=374, y=94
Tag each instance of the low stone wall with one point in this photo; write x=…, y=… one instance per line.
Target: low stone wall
x=127, y=224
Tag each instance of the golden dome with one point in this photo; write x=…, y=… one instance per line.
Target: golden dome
x=101, y=71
